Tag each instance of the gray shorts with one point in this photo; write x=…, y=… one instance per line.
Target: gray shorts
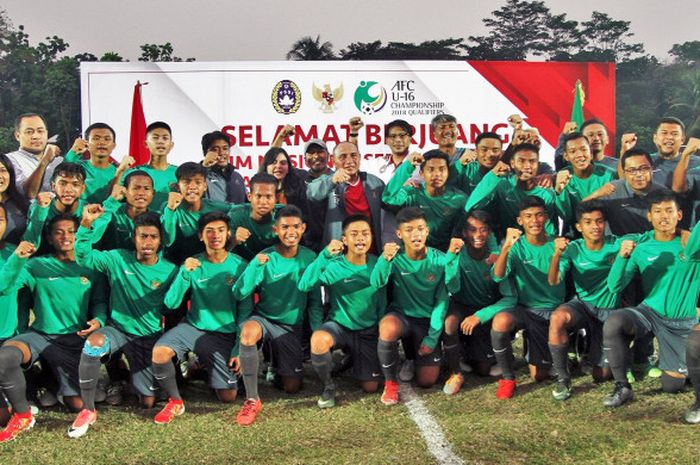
x=672, y=335
x=139, y=353
x=585, y=315
x=414, y=331
x=62, y=352
x=212, y=348
x=285, y=346
x=361, y=345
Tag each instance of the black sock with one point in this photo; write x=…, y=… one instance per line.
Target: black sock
x=249, y=370
x=503, y=351
x=323, y=364
x=693, y=361
x=388, y=353
x=560, y=360
x=164, y=373
x=618, y=332
x=12, y=380
x=88, y=372
x=451, y=349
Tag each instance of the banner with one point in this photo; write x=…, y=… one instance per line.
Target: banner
x=251, y=100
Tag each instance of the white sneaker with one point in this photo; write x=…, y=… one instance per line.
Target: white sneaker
x=407, y=371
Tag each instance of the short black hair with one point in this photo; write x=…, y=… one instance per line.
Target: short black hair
x=148, y=219
x=589, y=206
x=210, y=217
x=211, y=137
x=433, y=154
x=403, y=124
x=523, y=147
x=159, y=125
x=354, y=219
x=531, y=201
x=408, y=214
x=479, y=215
x=590, y=122
x=440, y=119
x=100, y=126
x=289, y=211
x=135, y=174
x=662, y=195
x=574, y=136
x=18, y=120
x=63, y=217
x=262, y=178
x=670, y=120
x=488, y=135
x=189, y=170
x=69, y=169
x=635, y=152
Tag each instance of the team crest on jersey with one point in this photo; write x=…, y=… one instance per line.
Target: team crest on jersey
x=230, y=280
x=84, y=280
x=430, y=278
x=155, y=284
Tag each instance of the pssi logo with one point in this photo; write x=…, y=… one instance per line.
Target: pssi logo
x=370, y=97
x=286, y=97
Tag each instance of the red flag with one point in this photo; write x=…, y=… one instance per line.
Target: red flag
x=137, y=137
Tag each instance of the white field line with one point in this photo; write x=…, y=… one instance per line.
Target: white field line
x=429, y=428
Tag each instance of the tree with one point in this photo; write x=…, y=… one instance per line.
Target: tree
x=564, y=38
x=607, y=40
x=155, y=52
x=516, y=31
x=687, y=52
x=310, y=49
x=112, y=56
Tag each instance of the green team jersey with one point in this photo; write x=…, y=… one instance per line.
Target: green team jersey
x=470, y=283
x=504, y=196
x=136, y=290
x=261, y=234
x=213, y=306
x=590, y=270
x=354, y=303
x=419, y=289
x=578, y=189
x=528, y=265
x=114, y=229
x=40, y=216
x=670, y=275
x=97, y=179
x=161, y=182
x=465, y=177
x=180, y=226
x=442, y=212
x=276, y=284
x=66, y=295
x=8, y=300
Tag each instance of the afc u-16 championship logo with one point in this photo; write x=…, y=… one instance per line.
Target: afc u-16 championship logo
x=327, y=97
x=286, y=97
x=370, y=97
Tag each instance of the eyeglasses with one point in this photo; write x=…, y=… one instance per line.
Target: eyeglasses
x=640, y=170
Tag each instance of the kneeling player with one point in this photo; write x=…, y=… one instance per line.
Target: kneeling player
x=138, y=281
x=278, y=316
x=671, y=280
x=355, y=307
x=419, y=302
x=67, y=298
x=210, y=327
x=526, y=261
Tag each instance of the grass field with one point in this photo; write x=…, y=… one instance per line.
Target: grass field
x=531, y=428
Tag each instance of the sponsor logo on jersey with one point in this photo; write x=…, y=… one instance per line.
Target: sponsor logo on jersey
x=84, y=280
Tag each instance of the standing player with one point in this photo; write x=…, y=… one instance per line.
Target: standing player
x=474, y=165
x=99, y=141
x=526, y=261
x=670, y=276
x=211, y=322
x=355, y=307
x=279, y=314
x=589, y=260
x=69, y=304
x=138, y=281
x=417, y=309
x=476, y=298
x=444, y=206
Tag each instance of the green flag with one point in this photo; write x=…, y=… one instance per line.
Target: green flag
x=577, y=107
